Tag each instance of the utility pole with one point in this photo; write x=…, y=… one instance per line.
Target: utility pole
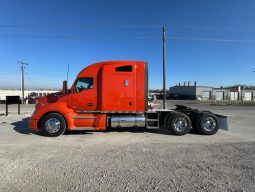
x=164, y=67
x=22, y=79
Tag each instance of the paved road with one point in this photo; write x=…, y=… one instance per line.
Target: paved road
x=129, y=160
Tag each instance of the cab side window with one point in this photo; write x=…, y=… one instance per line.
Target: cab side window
x=83, y=84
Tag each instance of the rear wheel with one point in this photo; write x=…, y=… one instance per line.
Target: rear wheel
x=53, y=125
x=206, y=123
x=178, y=123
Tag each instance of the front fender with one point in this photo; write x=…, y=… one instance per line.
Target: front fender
x=41, y=111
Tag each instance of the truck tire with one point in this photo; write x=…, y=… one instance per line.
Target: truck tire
x=178, y=123
x=166, y=119
x=206, y=123
x=53, y=125
x=193, y=120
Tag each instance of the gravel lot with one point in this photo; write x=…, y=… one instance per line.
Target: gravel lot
x=129, y=160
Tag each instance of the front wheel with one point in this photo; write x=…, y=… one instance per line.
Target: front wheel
x=178, y=123
x=53, y=125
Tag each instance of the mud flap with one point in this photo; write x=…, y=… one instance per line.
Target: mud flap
x=223, y=121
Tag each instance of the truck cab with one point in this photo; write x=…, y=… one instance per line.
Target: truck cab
x=99, y=91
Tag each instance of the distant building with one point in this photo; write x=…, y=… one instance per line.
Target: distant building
x=17, y=92
x=210, y=93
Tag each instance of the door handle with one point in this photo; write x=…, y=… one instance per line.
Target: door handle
x=90, y=104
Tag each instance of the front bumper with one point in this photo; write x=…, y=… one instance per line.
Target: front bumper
x=33, y=124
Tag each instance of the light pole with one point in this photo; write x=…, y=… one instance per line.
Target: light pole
x=164, y=66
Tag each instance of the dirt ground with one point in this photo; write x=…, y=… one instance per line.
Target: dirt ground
x=129, y=159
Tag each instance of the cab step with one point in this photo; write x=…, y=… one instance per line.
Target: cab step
x=152, y=120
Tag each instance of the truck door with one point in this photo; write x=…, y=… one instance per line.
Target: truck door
x=83, y=97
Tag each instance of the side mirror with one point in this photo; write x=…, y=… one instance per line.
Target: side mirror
x=65, y=90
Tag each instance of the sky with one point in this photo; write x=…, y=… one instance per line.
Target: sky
x=208, y=41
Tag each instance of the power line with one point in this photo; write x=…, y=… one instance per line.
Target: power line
x=6, y=74
x=38, y=74
x=122, y=26
x=77, y=37
x=28, y=76
x=42, y=74
x=127, y=37
x=212, y=29
x=77, y=26
x=216, y=40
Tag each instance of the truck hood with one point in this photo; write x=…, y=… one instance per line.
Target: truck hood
x=51, y=98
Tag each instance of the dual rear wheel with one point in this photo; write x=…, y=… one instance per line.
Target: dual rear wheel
x=180, y=124
x=206, y=123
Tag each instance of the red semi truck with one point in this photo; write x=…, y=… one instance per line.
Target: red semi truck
x=114, y=94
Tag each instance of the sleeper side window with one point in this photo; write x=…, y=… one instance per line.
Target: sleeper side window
x=126, y=68
x=83, y=84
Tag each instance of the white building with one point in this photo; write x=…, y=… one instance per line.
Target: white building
x=17, y=92
x=210, y=93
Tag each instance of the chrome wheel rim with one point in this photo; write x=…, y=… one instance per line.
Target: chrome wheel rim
x=209, y=123
x=180, y=124
x=52, y=125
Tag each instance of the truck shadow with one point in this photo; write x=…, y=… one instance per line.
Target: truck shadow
x=162, y=131
x=22, y=127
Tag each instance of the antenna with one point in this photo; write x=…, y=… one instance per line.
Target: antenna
x=67, y=75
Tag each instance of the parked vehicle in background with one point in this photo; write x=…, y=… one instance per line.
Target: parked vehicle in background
x=32, y=98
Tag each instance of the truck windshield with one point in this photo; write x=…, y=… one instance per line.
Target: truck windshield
x=83, y=84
